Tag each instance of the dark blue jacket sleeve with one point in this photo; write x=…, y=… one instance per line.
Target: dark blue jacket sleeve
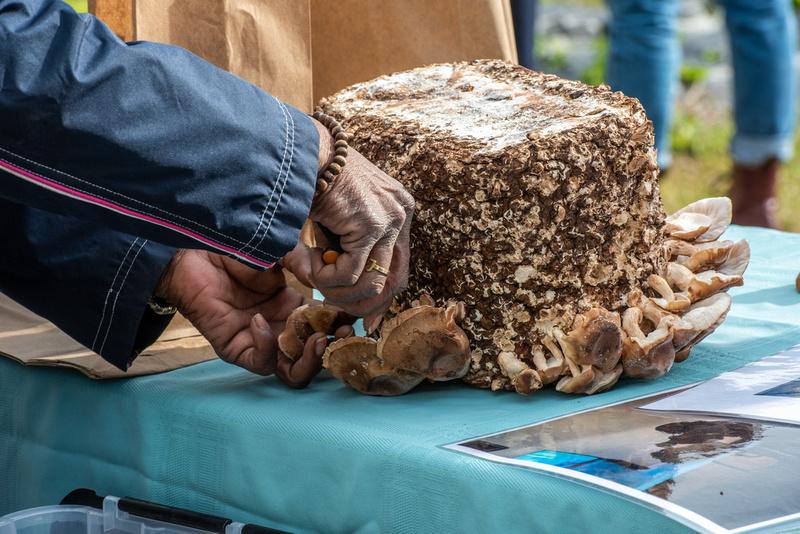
x=92, y=282
x=147, y=139
x=113, y=154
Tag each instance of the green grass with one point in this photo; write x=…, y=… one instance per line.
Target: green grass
x=591, y=3
x=595, y=73
x=701, y=168
x=81, y=6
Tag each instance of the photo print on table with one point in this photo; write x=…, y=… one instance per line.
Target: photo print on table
x=789, y=389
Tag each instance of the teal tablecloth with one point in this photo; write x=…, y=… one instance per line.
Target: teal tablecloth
x=216, y=439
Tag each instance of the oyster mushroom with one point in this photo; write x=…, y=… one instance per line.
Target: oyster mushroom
x=646, y=355
x=723, y=256
x=688, y=226
x=550, y=369
x=427, y=340
x=669, y=300
x=592, y=350
x=701, y=221
x=419, y=343
x=699, y=321
x=595, y=340
x=534, y=226
x=305, y=321
x=524, y=379
x=698, y=286
x=355, y=362
x=590, y=381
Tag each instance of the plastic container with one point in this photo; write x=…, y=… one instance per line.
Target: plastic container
x=113, y=515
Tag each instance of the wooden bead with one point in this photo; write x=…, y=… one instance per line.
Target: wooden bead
x=329, y=257
x=340, y=146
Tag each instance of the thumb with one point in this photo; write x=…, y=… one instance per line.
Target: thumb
x=262, y=357
x=298, y=262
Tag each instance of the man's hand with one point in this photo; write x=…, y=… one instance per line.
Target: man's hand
x=371, y=213
x=241, y=311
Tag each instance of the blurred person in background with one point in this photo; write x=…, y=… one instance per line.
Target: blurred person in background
x=644, y=60
x=524, y=15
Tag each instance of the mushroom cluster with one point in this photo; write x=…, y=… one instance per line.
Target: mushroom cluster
x=423, y=342
x=538, y=208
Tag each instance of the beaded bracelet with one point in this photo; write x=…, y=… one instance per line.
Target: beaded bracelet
x=327, y=176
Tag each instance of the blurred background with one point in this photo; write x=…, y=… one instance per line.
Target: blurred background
x=571, y=40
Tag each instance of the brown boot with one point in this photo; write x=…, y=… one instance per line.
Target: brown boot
x=754, y=194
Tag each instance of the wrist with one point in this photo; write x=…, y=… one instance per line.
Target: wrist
x=164, y=289
x=326, y=150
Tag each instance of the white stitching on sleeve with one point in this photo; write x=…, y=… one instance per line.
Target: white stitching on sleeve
x=280, y=194
x=200, y=225
x=121, y=285
x=92, y=193
x=110, y=291
x=286, y=143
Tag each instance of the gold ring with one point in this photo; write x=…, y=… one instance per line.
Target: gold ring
x=373, y=266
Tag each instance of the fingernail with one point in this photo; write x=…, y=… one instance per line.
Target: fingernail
x=260, y=322
x=320, y=345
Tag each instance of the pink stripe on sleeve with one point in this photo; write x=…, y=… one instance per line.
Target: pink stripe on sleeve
x=64, y=190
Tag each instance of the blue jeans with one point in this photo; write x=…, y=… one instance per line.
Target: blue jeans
x=644, y=59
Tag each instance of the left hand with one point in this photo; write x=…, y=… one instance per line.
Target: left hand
x=371, y=212
x=241, y=311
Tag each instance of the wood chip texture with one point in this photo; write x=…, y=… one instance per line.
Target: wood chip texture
x=537, y=197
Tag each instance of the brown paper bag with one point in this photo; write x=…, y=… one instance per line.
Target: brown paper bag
x=356, y=40
x=302, y=50
x=266, y=42
x=31, y=340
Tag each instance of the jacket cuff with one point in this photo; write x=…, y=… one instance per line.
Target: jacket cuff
x=286, y=211
x=126, y=325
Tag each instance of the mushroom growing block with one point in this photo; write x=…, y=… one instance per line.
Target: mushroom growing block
x=538, y=207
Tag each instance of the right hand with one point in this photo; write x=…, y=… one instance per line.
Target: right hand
x=371, y=213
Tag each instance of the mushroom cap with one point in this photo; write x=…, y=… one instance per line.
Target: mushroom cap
x=708, y=255
x=603, y=381
x=292, y=339
x=738, y=259
x=304, y=321
x=708, y=283
x=549, y=369
x=596, y=339
x=717, y=211
x=576, y=383
x=670, y=301
x=354, y=360
x=700, y=320
x=524, y=379
x=589, y=381
x=427, y=341
x=687, y=226
x=725, y=257
x=647, y=356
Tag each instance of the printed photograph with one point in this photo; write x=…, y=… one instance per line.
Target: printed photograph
x=789, y=389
